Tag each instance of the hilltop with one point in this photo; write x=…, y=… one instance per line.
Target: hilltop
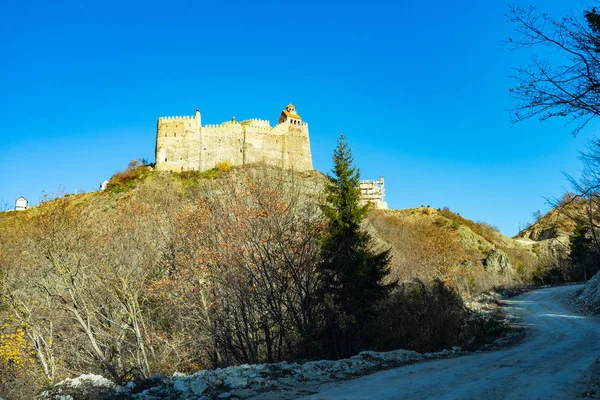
x=558, y=223
x=426, y=243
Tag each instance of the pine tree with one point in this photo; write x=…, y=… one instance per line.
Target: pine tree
x=582, y=251
x=352, y=274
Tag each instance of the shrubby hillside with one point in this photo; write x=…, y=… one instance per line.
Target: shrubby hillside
x=430, y=243
x=558, y=223
x=561, y=239
x=166, y=272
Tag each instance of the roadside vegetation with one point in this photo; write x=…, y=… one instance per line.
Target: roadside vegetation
x=176, y=272
x=562, y=82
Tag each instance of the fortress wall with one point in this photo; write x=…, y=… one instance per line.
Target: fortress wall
x=297, y=153
x=284, y=146
x=222, y=143
x=258, y=123
x=193, y=144
x=263, y=147
x=176, y=141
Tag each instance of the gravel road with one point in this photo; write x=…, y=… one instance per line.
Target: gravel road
x=550, y=363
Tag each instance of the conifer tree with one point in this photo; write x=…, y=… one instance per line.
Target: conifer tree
x=583, y=254
x=352, y=274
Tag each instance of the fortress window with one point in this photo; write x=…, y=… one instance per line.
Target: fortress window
x=165, y=159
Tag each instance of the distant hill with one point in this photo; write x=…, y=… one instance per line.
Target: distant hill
x=430, y=243
x=557, y=223
x=549, y=238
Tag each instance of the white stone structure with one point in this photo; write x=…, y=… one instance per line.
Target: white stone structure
x=373, y=192
x=21, y=204
x=104, y=185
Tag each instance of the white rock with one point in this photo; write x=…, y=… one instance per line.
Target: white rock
x=235, y=382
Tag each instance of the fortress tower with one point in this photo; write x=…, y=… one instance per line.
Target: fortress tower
x=184, y=144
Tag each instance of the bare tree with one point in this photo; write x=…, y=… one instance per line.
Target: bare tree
x=564, y=81
x=248, y=250
x=4, y=205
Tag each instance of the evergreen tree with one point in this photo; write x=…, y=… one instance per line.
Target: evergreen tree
x=583, y=253
x=352, y=274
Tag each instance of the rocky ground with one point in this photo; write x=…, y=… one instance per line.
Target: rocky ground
x=240, y=382
x=587, y=301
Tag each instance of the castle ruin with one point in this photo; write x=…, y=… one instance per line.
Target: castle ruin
x=184, y=144
x=373, y=192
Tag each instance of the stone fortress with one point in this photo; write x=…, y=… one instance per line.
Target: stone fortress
x=184, y=144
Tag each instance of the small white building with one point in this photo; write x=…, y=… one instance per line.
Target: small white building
x=373, y=192
x=21, y=204
x=104, y=185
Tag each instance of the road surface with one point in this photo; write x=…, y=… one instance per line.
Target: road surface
x=559, y=348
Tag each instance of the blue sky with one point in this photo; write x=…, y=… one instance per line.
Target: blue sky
x=419, y=88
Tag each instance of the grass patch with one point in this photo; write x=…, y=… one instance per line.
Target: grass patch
x=487, y=231
x=122, y=181
x=193, y=178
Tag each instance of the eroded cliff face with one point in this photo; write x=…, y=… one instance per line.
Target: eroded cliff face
x=558, y=223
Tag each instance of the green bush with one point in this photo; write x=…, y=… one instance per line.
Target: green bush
x=223, y=166
x=455, y=223
x=192, y=178
x=136, y=171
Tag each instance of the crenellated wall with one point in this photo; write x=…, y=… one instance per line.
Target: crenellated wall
x=183, y=144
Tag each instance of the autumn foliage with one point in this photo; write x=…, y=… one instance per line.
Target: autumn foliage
x=180, y=273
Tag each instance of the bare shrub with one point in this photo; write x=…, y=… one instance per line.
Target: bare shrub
x=423, y=317
x=223, y=166
x=124, y=180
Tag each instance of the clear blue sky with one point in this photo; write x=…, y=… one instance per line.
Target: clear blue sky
x=419, y=88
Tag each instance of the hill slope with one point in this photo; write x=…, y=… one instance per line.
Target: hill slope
x=186, y=271
x=426, y=243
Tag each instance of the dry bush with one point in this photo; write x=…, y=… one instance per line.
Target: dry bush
x=80, y=289
x=124, y=180
x=243, y=269
x=223, y=166
x=17, y=368
x=421, y=248
x=423, y=317
x=487, y=231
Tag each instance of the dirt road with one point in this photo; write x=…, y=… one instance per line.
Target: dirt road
x=559, y=348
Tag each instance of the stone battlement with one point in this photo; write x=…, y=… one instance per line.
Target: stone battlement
x=183, y=143
x=177, y=118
